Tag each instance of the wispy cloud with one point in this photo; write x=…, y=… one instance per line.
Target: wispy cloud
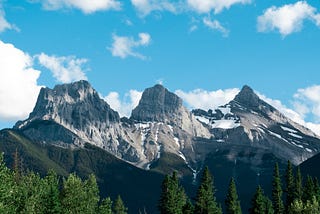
x=126, y=104
x=86, y=6
x=288, y=18
x=215, y=25
x=4, y=24
x=145, y=7
x=124, y=46
x=18, y=83
x=65, y=69
x=206, y=6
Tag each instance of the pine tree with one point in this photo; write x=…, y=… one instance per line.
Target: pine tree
x=51, y=199
x=258, y=202
x=105, y=206
x=173, y=197
x=298, y=185
x=277, y=191
x=188, y=208
x=205, y=200
x=269, y=207
x=232, y=202
x=308, y=190
x=119, y=207
x=92, y=194
x=316, y=188
x=290, y=186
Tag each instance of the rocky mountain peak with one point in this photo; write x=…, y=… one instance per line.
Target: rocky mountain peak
x=157, y=104
x=247, y=97
x=74, y=104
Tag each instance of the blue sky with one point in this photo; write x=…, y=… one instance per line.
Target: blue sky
x=193, y=47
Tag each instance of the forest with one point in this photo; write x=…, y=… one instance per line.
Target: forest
x=28, y=192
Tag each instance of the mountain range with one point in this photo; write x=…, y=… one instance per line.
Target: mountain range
x=72, y=129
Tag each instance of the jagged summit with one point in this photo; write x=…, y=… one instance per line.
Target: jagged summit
x=157, y=104
x=75, y=104
x=247, y=97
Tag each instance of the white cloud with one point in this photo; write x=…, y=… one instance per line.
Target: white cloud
x=64, y=69
x=18, y=83
x=294, y=115
x=206, y=6
x=125, y=105
x=215, y=25
x=124, y=46
x=4, y=24
x=86, y=6
x=307, y=101
x=203, y=99
x=145, y=7
x=288, y=18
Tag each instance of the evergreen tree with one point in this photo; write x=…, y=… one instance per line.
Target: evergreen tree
x=316, y=188
x=105, y=206
x=290, y=186
x=73, y=196
x=188, y=208
x=298, y=185
x=51, y=200
x=173, y=197
x=8, y=189
x=277, y=191
x=308, y=190
x=258, y=202
x=119, y=207
x=269, y=207
x=232, y=202
x=205, y=200
x=92, y=194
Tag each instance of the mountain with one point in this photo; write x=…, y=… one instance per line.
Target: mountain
x=72, y=129
x=248, y=120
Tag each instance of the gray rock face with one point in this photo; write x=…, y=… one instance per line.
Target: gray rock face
x=248, y=120
x=157, y=104
x=71, y=115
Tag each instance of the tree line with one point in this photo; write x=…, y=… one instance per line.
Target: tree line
x=290, y=195
x=29, y=193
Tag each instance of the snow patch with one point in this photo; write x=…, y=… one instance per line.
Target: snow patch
x=203, y=119
x=308, y=150
x=176, y=140
x=295, y=135
x=288, y=129
x=225, y=124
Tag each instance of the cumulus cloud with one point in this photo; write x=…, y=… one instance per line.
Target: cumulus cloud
x=288, y=18
x=215, y=25
x=145, y=7
x=65, y=69
x=18, y=83
x=124, y=46
x=307, y=101
x=203, y=99
x=126, y=104
x=206, y=6
x=293, y=114
x=86, y=6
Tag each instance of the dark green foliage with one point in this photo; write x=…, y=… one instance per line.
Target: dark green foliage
x=308, y=190
x=105, y=206
x=298, y=185
x=52, y=204
x=258, y=203
x=290, y=186
x=232, y=202
x=269, y=207
x=119, y=207
x=205, y=200
x=316, y=188
x=188, y=208
x=277, y=191
x=173, y=197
